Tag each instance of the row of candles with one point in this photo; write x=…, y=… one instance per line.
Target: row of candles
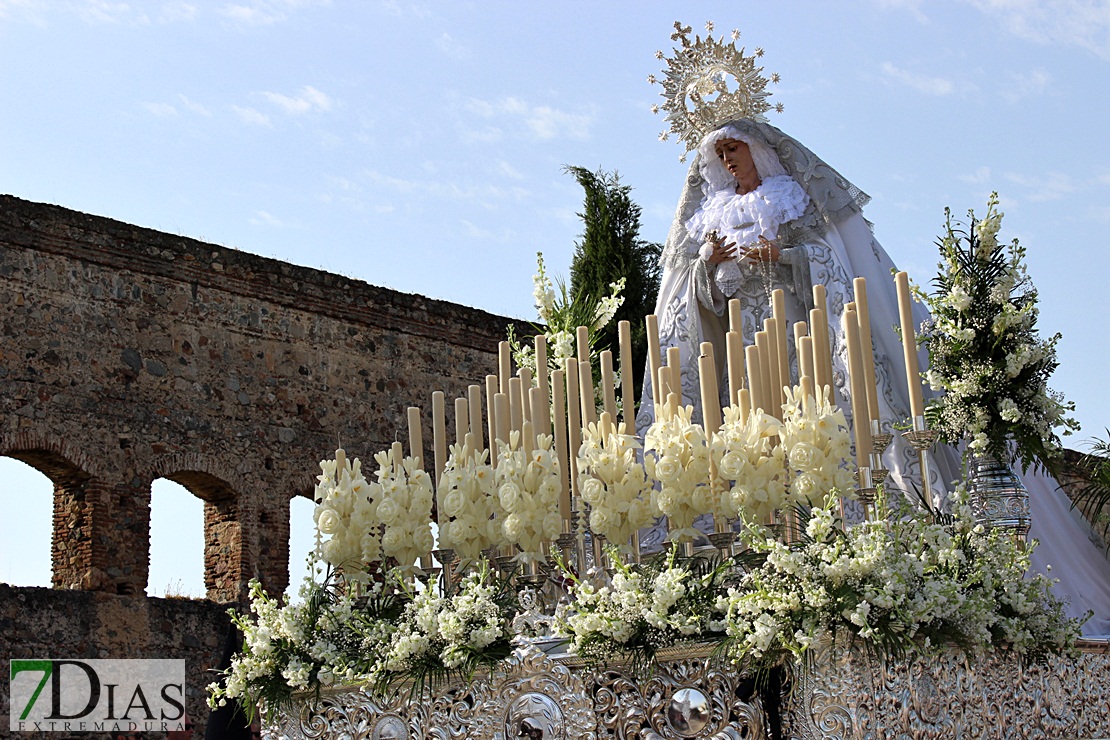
x=561, y=403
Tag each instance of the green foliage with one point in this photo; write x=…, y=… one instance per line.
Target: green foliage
x=609, y=249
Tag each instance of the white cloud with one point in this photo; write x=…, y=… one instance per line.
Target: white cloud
x=263, y=218
x=1049, y=187
x=978, y=177
x=543, y=122
x=177, y=11
x=162, y=110
x=474, y=232
x=1026, y=85
x=103, y=11
x=192, y=107
x=30, y=9
x=452, y=48
x=251, y=116
x=307, y=100
x=484, y=194
x=913, y=7
x=919, y=82
x=265, y=12
x=508, y=170
x=1082, y=23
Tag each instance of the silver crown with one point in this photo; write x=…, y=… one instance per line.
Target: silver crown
x=709, y=82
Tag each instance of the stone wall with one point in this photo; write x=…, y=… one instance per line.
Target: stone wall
x=129, y=355
x=52, y=623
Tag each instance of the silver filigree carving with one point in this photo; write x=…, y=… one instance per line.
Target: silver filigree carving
x=848, y=695
x=845, y=694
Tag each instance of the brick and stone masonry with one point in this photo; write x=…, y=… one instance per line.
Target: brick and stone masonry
x=129, y=355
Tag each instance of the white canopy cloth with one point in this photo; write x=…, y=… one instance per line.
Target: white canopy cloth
x=830, y=244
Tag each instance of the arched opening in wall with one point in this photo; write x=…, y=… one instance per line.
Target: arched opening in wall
x=222, y=527
x=302, y=540
x=176, y=542
x=26, y=524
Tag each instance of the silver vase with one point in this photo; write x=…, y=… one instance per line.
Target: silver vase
x=998, y=497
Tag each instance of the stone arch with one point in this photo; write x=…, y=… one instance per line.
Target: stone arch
x=81, y=537
x=230, y=517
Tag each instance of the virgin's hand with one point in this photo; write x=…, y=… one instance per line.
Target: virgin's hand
x=722, y=252
x=765, y=251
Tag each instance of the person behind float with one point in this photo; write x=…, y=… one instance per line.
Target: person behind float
x=758, y=212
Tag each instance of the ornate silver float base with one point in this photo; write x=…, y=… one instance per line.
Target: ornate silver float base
x=998, y=497
x=847, y=695
x=539, y=696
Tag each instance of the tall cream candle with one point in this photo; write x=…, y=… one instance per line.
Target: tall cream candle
x=674, y=375
x=766, y=399
x=527, y=438
x=861, y=425
x=416, y=436
x=820, y=301
x=755, y=374
x=474, y=401
x=516, y=412
x=734, y=355
x=744, y=401
x=526, y=394
x=542, y=370
x=541, y=411
x=735, y=316
x=559, y=416
x=574, y=422
x=801, y=329
x=909, y=345
x=866, y=348
x=805, y=359
x=655, y=360
x=710, y=398
x=504, y=366
x=492, y=386
x=462, y=420
x=504, y=419
x=628, y=390
x=608, y=384
x=778, y=304
x=818, y=330
x=774, y=386
x=439, y=433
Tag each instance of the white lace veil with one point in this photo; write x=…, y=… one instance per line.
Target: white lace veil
x=713, y=170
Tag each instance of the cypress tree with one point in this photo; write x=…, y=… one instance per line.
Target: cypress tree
x=611, y=248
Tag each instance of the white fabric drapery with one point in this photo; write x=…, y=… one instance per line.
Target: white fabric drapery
x=830, y=244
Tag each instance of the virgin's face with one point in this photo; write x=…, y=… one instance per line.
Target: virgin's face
x=736, y=158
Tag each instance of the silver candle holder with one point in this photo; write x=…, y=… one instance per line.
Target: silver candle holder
x=866, y=490
x=922, y=439
x=880, y=440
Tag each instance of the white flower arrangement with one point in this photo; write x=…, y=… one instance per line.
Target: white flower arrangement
x=815, y=441
x=346, y=517
x=469, y=509
x=560, y=317
x=614, y=484
x=643, y=608
x=750, y=466
x=528, y=489
x=437, y=634
x=676, y=455
x=901, y=583
x=984, y=349
x=404, y=496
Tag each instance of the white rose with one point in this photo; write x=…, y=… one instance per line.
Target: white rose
x=388, y=511
x=328, y=521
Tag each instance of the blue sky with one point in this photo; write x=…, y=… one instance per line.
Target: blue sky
x=420, y=145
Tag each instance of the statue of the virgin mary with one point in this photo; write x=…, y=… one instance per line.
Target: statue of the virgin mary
x=759, y=211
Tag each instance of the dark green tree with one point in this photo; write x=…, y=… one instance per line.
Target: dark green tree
x=610, y=248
